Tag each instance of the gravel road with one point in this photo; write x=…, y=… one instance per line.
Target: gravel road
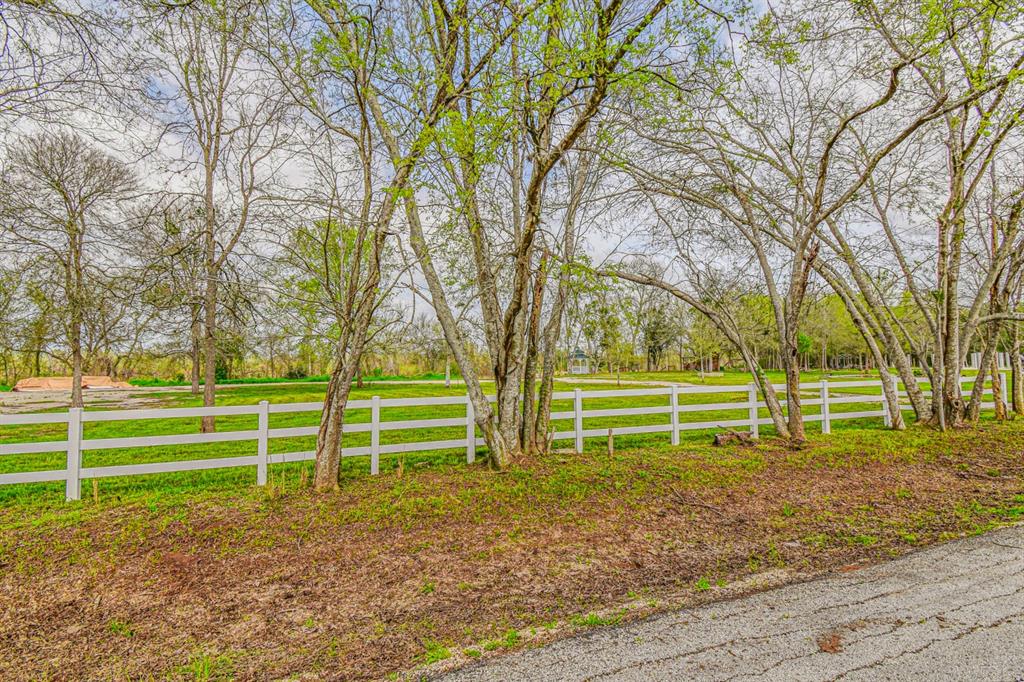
x=951, y=612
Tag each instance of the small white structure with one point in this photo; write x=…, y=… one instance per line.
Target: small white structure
x=579, y=362
x=974, y=359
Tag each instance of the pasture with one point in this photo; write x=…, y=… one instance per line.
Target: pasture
x=176, y=484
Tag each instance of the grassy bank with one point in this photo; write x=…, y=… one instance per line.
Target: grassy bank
x=448, y=562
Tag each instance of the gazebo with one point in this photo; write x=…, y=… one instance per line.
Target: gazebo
x=579, y=362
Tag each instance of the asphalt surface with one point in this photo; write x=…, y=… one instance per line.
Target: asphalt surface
x=951, y=612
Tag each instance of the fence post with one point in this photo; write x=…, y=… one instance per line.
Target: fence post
x=375, y=435
x=470, y=432
x=826, y=414
x=752, y=400
x=674, y=397
x=73, y=488
x=578, y=418
x=262, y=449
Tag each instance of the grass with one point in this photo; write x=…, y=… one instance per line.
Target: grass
x=737, y=376
x=230, y=580
x=120, y=627
x=323, y=378
x=178, y=486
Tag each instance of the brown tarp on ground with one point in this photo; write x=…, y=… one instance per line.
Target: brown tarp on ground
x=64, y=383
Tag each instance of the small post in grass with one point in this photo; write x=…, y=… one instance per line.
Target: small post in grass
x=470, y=432
x=262, y=442
x=611, y=443
x=375, y=435
x=578, y=419
x=73, y=489
x=826, y=415
x=752, y=411
x=674, y=397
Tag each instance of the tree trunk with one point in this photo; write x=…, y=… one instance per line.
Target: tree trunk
x=997, y=388
x=194, y=352
x=76, y=360
x=973, y=409
x=794, y=416
x=75, y=293
x=529, y=439
x=771, y=398
x=1017, y=370
x=872, y=320
x=332, y=421
x=208, y=424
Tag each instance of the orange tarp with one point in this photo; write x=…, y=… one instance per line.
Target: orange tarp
x=64, y=383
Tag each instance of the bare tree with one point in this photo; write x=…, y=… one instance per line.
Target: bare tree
x=50, y=56
x=60, y=199
x=230, y=118
x=974, y=86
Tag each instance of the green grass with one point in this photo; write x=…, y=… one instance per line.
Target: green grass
x=176, y=487
x=736, y=376
x=121, y=628
x=205, y=666
x=593, y=620
x=322, y=378
x=434, y=652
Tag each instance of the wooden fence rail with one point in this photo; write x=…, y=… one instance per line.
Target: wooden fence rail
x=75, y=444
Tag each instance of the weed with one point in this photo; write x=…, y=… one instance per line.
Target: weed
x=864, y=540
x=593, y=620
x=204, y=666
x=121, y=627
x=702, y=585
x=434, y=652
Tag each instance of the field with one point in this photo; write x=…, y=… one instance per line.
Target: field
x=206, y=576
x=164, y=485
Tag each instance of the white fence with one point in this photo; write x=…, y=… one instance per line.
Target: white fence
x=75, y=444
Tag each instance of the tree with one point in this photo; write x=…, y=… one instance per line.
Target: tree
x=203, y=84
x=534, y=119
x=973, y=86
x=52, y=56
x=62, y=200
x=173, y=234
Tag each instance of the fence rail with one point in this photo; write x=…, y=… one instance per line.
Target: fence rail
x=74, y=445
